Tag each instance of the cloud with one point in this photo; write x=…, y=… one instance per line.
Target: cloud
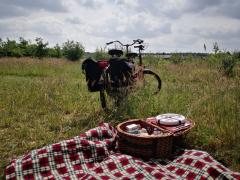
x=167, y=25
x=195, y=5
x=137, y=26
x=218, y=34
x=91, y=3
x=11, y=11
x=24, y=7
x=229, y=8
x=73, y=20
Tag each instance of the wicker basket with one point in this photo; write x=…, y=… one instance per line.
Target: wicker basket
x=157, y=146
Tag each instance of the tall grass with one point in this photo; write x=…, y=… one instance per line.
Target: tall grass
x=44, y=101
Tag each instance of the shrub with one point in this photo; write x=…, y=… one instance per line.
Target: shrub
x=55, y=52
x=16, y=52
x=73, y=50
x=227, y=64
x=41, y=48
x=8, y=47
x=176, y=58
x=101, y=54
x=58, y=51
x=150, y=60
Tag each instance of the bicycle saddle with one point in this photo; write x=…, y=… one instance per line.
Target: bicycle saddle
x=131, y=55
x=116, y=52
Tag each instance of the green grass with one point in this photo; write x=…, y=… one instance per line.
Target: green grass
x=45, y=101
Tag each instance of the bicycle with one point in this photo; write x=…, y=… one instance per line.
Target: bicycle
x=116, y=76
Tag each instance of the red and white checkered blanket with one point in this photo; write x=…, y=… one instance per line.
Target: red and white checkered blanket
x=92, y=156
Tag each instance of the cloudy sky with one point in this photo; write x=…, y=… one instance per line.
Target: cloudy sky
x=165, y=25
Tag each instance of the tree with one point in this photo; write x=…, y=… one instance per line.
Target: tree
x=24, y=46
x=41, y=48
x=11, y=49
x=215, y=47
x=58, y=51
x=73, y=50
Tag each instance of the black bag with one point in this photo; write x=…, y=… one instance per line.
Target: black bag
x=93, y=74
x=120, y=72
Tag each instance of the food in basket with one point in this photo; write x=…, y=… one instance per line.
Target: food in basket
x=134, y=132
x=136, y=129
x=143, y=130
x=132, y=127
x=156, y=132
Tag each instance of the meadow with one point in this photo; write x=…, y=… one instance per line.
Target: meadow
x=45, y=101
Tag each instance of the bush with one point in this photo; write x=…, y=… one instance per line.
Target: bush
x=227, y=65
x=101, y=54
x=58, y=51
x=55, y=52
x=150, y=60
x=8, y=47
x=41, y=48
x=73, y=50
x=16, y=52
x=176, y=58
x=25, y=48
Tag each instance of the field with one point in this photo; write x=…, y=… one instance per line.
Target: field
x=44, y=101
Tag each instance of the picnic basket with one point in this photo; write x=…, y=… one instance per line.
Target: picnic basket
x=155, y=146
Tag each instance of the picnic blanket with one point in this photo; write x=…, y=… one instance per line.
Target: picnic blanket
x=93, y=155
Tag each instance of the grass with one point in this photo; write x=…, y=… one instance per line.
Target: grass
x=45, y=101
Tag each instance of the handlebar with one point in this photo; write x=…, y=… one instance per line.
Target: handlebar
x=137, y=41
x=141, y=47
x=114, y=42
x=109, y=43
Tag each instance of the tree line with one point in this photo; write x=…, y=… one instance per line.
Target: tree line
x=71, y=50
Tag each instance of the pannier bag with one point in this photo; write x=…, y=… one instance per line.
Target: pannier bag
x=120, y=72
x=93, y=72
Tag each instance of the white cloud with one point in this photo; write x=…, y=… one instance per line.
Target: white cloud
x=166, y=25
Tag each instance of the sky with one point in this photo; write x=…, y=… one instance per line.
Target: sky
x=164, y=25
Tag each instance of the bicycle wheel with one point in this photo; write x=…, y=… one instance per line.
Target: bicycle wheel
x=152, y=82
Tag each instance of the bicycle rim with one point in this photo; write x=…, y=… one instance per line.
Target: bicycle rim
x=152, y=82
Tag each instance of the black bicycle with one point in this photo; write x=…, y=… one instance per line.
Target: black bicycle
x=119, y=75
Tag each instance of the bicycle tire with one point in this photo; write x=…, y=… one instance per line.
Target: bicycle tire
x=156, y=78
